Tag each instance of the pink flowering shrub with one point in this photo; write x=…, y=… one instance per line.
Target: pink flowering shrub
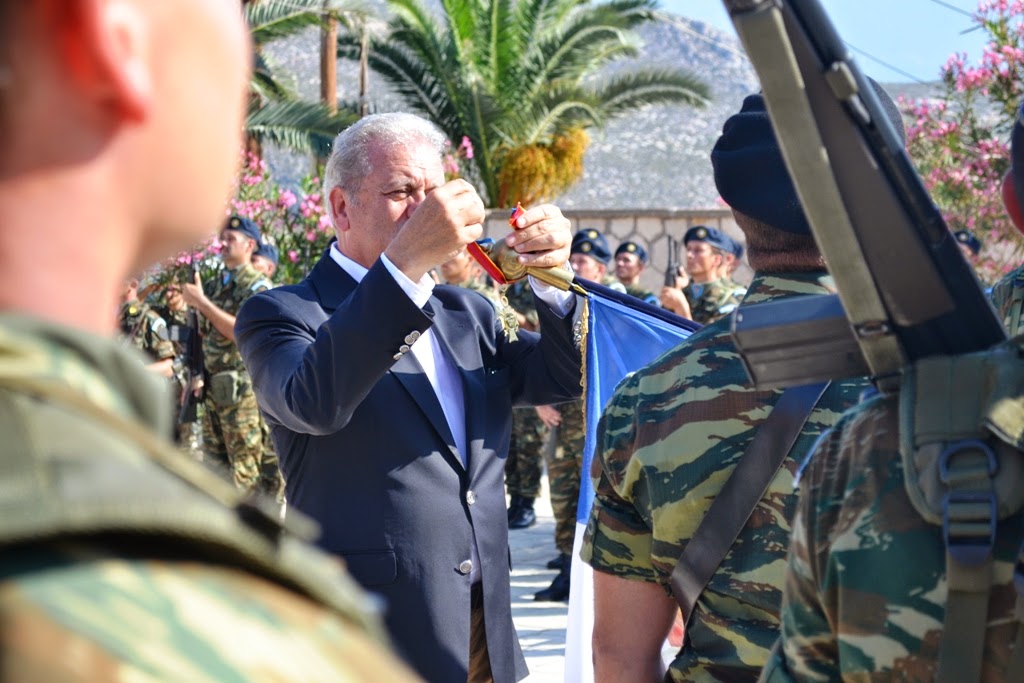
x=292, y=220
x=452, y=167
x=959, y=140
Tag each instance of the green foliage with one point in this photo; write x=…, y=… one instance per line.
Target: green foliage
x=276, y=113
x=518, y=78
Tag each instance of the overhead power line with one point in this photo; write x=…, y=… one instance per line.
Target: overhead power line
x=954, y=8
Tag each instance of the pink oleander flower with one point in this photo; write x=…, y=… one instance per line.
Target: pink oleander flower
x=293, y=256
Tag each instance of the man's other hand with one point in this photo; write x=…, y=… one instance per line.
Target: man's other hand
x=542, y=237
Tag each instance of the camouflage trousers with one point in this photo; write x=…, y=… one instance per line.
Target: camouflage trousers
x=235, y=438
x=564, y=474
x=525, y=452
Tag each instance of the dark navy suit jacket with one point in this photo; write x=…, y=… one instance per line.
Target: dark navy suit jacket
x=367, y=452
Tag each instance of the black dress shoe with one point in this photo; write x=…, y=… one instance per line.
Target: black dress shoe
x=558, y=591
x=558, y=562
x=523, y=518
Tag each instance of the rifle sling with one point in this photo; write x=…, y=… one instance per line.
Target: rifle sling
x=733, y=506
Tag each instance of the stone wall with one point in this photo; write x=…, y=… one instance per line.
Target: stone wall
x=649, y=227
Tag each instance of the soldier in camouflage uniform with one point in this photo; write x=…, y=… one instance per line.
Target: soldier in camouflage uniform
x=868, y=582
x=630, y=261
x=672, y=434
x=462, y=270
x=265, y=259
x=526, y=446
x=120, y=560
x=709, y=296
x=589, y=257
x=232, y=425
x=145, y=329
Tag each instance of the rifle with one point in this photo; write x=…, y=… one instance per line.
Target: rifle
x=193, y=363
x=672, y=269
x=905, y=290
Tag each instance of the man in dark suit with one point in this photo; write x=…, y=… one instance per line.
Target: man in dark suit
x=390, y=400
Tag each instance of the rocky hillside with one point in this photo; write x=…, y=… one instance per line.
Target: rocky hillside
x=656, y=158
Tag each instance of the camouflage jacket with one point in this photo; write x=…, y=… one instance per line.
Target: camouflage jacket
x=666, y=443
x=1008, y=300
x=143, y=328
x=710, y=301
x=643, y=294
x=228, y=291
x=866, y=587
x=484, y=286
x=520, y=298
x=115, y=548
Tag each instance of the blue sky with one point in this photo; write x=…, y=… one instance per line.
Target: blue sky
x=915, y=36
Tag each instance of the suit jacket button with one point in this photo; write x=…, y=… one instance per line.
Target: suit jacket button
x=470, y=497
x=403, y=348
x=466, y=566
x=397, y=356
x=412, y=337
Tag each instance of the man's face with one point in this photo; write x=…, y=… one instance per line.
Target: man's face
x=628, y=267
x=459, y=269
x=587, y=267
x=264, y=265
x=199, y=91
x=702, y=261
x=236, y=248
x=401, y=176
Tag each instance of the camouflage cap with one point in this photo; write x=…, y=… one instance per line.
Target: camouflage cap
x=245, y=226
x=629, y=247
x=713, y=236
x=967, y=238
x=591, y=242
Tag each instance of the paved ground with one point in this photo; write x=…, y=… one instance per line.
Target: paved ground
x=541, y=625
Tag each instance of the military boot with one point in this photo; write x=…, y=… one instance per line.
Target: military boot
x=559, y=562
x=513, y=507
x=524, y=516
x=558, y=591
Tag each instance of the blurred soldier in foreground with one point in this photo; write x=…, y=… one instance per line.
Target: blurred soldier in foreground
x=630, y=261
x=233, y=430
x=121, y=559
x=909, y=526
x=672, y=435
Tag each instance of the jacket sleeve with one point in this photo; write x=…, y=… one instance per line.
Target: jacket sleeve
x=311, y=374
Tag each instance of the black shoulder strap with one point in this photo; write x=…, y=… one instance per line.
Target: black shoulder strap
x=746, y=485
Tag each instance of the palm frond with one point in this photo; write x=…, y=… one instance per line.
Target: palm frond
x=307, y=127
x=273, y=19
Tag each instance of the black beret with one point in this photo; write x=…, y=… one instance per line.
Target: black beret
x=267, y=251
x=592, y=243
x=968, y=239
x=244, y=226
x=629, y=247
x=713, y=236
x=750, y=173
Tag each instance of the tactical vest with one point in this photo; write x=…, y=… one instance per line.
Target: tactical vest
x=961, y=441
x=185, y=504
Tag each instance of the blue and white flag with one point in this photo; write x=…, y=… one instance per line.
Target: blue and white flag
x=623, y=335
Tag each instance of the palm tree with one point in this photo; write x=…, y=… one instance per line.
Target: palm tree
x=518, y=78
x=276, y=113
